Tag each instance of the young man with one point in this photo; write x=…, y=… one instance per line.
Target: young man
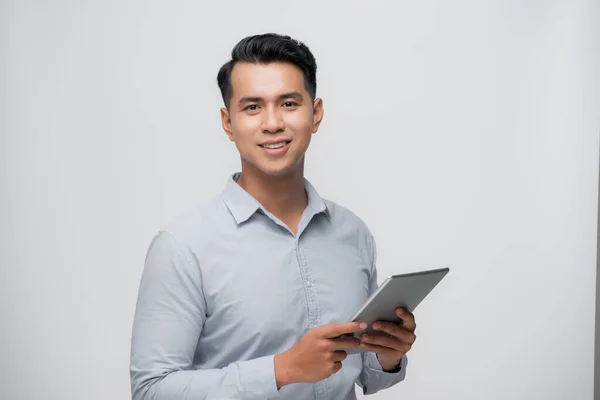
x=247, y=296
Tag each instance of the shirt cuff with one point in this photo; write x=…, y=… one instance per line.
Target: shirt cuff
x=376, y=378
x=258, y=378
x=372, y=362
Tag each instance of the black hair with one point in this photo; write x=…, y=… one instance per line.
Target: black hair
x=268, y=48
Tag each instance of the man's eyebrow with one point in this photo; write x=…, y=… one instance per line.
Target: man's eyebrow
x=290, y=95
x=250, y=99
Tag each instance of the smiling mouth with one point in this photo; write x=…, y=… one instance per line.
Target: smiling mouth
x=275, y=145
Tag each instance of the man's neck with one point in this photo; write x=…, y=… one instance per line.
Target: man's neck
x=283, y=196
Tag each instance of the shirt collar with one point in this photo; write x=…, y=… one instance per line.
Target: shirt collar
x=242, y=205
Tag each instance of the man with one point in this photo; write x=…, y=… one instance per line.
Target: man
x=248, y=296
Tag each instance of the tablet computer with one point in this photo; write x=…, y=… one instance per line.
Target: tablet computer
x=402, y=290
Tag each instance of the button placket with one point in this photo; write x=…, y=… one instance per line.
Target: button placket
x=314, y=310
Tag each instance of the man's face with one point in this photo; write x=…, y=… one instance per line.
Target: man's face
x=271, y=117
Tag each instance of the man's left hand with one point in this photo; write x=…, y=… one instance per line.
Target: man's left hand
x=392, y=347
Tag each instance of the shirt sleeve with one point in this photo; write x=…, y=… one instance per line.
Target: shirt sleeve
x=372, y=377
x=168, y=321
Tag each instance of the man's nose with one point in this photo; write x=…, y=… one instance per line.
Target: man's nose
x=272, y=121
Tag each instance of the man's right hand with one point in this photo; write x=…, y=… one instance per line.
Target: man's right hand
x=317, y=355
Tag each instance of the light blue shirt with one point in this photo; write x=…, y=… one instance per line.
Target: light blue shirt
x=227, y=286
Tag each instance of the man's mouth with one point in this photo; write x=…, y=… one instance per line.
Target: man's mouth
x=277, y=145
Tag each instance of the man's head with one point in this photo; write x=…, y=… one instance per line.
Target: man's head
x=269, y=91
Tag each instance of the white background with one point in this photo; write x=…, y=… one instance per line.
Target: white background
x=464, y=133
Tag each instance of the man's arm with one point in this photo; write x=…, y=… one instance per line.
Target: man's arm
x=169, y=318
x=372, y=377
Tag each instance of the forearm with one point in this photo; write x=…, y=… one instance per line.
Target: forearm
x=248, y=380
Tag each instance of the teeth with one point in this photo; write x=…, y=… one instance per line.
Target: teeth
x=274, y=145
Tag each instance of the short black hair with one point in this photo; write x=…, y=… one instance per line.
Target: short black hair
x=268, y=48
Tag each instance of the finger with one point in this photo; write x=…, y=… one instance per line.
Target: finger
x=381, y=350
x=408, y=318
x=337, y=366
x=383, y=341
x=390, y=328
x=339, y=355
x=333, y=330
x=401, y=333
x=345, y=343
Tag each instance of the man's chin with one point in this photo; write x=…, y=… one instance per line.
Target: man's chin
x=273, y=168
x=279, y=173
x=275, y=171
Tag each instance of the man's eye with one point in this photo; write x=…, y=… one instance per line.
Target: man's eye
x=252, y=107
x=289, y=104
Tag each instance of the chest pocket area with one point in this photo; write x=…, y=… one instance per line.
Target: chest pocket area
x=341, y=276
x=256, y=304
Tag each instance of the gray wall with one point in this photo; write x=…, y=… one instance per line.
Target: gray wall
x=472, y=124
x=597, y=354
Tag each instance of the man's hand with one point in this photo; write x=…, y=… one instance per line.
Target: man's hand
x=317, y=355
x=392, y=347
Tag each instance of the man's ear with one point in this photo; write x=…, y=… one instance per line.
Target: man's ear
x=317, y=114
x=226, y=122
